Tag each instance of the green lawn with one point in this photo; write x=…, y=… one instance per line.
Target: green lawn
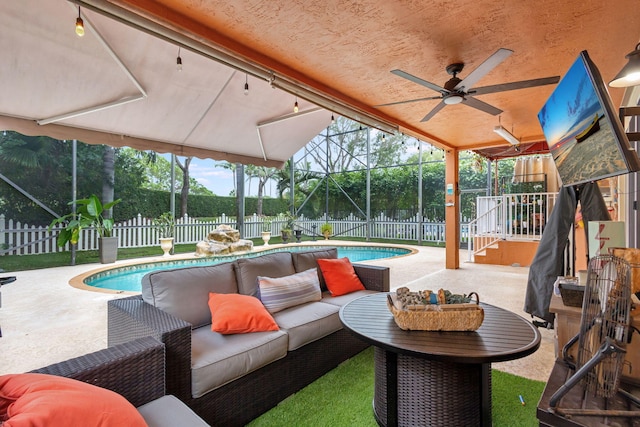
x=11, y=263
x=343, y=397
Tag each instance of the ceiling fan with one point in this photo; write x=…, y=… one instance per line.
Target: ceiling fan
x=458, y=90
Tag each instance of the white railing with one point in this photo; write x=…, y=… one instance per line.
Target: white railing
x=21, y=239
x=486, y=229
x=519, y=216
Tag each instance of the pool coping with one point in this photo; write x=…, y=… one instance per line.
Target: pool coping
x=78, y=281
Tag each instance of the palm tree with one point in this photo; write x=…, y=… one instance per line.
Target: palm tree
x=264, y=174
x=305, y=181
x=108, y=181
x=232, y=168
x=184, y=192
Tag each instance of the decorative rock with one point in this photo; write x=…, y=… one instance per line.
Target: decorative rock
x=225, y=234
x=223, y=240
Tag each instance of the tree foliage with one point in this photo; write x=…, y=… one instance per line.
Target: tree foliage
x=42, y=166
x=343, y=147
x=158, y=173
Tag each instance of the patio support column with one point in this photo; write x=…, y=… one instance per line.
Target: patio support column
x=420, y=193
x=326, y=183
x=292, y=186
x=368, y=229
x=452, y=210
x=240, y=198
x=489, y=181
x=74, y=188
x=172, y=202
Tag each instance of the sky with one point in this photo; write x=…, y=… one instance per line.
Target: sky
x=216, y=179
x=220, y=180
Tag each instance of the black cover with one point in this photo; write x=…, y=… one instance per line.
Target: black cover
x=548, y=263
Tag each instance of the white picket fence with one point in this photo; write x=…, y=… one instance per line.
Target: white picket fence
x=21, y=239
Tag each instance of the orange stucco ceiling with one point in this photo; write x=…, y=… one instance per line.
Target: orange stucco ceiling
x=346, y=49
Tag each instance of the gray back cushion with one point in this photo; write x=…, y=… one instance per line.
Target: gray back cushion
x=278, y=264
x=184, y=292
x=303, y=261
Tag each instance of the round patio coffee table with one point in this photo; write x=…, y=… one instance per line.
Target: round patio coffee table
x=436, y=378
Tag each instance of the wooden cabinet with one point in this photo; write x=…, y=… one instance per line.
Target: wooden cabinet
x=568, y=324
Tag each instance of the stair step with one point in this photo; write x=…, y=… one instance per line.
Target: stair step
x=508, y=252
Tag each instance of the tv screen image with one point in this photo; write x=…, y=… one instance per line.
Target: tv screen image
x=584, y=135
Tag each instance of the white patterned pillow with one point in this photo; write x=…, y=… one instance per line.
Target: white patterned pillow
x=283, y=292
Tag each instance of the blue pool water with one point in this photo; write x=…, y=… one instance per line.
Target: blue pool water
x=128, y=278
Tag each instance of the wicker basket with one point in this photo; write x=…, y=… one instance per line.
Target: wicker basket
x=572, y=294
x=445, y=317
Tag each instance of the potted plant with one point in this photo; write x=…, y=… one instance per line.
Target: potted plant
x=89, y=213
x=165, y=225
x=288, y=226
x=326, y=229
x=285, y=234
x=266, y=231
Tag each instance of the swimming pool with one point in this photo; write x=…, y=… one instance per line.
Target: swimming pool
x=128, y=278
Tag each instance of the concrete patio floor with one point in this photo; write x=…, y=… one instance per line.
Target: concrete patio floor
x=44, y=320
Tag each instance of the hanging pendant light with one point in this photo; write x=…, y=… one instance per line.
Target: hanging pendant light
x=295, y=106
x=246, y=84
x=630, y=73
x=179, y=61
x=79, y=25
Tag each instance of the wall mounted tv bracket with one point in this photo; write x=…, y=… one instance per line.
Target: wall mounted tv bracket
x=630, y=112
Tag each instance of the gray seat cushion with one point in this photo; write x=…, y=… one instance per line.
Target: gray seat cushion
x=217, y=359
x=343, y=299
x=278, y=264
x=308, y=322
x=184, y=292
x=169, y=411
x=303, y=261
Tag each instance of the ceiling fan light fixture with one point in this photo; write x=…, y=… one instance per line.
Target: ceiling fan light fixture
x=630, y=73
x=508, y=136
x=453, y=99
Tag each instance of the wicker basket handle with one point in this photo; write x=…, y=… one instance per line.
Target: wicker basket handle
x=477, y=297
x=390, y=300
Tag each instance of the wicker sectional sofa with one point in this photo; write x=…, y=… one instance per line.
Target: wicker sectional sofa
x=231, y=379
x=135, y=370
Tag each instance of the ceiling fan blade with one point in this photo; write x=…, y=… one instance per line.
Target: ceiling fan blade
x=481, y=70
x=482, y=106
x=515, y=85
x=419, y=81
x=408, y=101
x=434, y=111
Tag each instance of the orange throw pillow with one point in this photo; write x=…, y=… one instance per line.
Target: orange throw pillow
x=239, y=314
x=340, y=276
x=47, y=400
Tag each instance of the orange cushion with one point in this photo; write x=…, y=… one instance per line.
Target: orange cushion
x=340, y=276
x=239, y=314
x=34, y=400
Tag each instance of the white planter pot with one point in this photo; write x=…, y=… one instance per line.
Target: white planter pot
x=166, y=243
x=266, y=236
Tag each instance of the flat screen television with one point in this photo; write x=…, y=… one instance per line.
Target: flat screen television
x=585, y=136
